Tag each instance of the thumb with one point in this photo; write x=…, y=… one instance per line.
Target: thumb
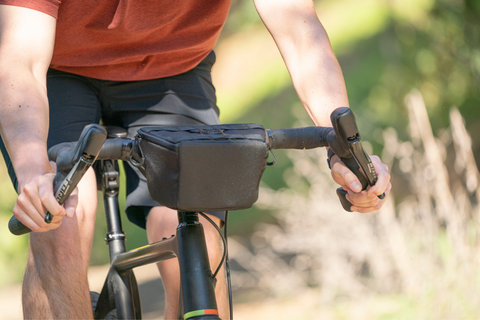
x=344, y=176
x=71, y=203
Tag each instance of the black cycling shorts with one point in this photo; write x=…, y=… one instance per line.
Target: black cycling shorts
x=76, y=101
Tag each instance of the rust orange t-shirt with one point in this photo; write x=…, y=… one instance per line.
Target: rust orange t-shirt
x=131, y=39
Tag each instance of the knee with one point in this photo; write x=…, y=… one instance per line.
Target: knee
x=59, y=249
x=161, y=222
x=87, y=197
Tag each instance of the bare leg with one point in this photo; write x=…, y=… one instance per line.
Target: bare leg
x=162, y=222
x=55, y=285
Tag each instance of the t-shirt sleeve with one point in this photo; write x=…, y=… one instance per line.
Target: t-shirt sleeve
x=49, y=7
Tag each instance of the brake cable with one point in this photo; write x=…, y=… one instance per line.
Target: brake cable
x=223, y=236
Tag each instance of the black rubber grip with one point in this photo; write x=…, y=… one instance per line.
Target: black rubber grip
x=342, y=196
x=61, y=148
x=63, y=155
x=298, y=138
x=16, y=227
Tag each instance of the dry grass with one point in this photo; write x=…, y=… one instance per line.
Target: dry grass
x=415, y=258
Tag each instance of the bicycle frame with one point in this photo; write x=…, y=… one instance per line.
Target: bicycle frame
x=120, y=289
x=197, y=296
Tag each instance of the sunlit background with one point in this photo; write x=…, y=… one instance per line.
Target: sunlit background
x=412, y=72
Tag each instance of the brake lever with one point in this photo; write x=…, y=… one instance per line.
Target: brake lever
x=345, y=142
x=86, y=151
x=363, y=159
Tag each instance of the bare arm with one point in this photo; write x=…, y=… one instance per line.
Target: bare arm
x=318, y=81
x=306, y=50
x=26, y=47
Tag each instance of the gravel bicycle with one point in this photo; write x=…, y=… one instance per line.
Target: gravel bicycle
x=192, y=169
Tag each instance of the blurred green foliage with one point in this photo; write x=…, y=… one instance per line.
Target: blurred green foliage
x=437, y=53
x=385, y=48
x=13, y=251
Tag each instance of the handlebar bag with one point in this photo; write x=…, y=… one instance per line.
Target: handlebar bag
x=204, y=168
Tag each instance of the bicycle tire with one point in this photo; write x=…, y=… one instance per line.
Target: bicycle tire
x=112, y=315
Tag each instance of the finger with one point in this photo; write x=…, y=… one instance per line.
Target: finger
x=40, y=194
x=29, y=216
x=45, y=191
x=71, y=203
x=372, y=206
x=56, y=222
x=49, y=226
x=26, y=208
x=383, y=177
x=24, y=218
x=362, y=199
x=344, y=177
x=365, y=208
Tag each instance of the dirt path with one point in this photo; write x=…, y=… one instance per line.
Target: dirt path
x=152, y=297
x=151, y=293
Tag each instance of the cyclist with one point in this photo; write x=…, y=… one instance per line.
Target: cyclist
x=130, y=63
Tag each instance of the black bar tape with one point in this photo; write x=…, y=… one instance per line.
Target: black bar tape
x=63, y=155
x=61, y=148
x=298, y=138
x=115, y=149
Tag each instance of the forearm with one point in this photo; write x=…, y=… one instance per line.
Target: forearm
x=319, y=81
x=24, y=121
x=306, y=50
